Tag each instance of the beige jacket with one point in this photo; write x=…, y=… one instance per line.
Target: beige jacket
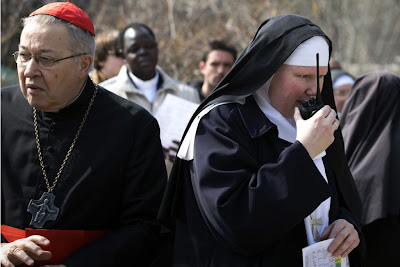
x=123, y=86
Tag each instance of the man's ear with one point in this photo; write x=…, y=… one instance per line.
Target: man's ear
x=85, y=65
x=202, y=65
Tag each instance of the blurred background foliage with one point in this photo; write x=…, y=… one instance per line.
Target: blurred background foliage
x=365, y=34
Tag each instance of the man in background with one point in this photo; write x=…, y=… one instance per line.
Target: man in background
x=218, y=59
x=141, y=80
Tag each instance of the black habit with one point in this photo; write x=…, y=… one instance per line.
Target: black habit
x=113, y=180
x=242, y=200
x=371, y=132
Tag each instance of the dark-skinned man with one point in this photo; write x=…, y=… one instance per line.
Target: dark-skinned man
x=141, y=80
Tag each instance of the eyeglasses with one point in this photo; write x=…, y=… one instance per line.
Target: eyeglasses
x=43, y=62
x=117, y=53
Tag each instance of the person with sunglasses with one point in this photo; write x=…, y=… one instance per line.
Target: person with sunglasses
x=108, y=58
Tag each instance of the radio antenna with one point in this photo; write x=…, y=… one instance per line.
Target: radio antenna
x=318, y=97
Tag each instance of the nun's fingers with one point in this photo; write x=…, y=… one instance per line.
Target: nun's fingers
x=345, y=238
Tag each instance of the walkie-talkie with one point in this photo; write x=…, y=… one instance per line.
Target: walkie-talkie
x=311, y=106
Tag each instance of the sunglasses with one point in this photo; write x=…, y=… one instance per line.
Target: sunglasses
x=117, y=53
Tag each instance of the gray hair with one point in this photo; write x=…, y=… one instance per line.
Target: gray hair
x=78, y=41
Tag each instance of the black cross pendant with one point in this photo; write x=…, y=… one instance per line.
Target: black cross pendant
x=42, y=210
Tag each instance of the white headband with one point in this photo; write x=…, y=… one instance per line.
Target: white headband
x=343, y=80
x=304, y=54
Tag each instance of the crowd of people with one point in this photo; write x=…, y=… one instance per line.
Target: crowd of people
x=86, y=180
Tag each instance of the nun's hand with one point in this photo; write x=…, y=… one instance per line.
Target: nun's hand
x=345, y=238
x=316, y=133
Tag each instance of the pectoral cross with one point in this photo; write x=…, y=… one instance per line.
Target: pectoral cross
x=42, y=210
x=314, y=225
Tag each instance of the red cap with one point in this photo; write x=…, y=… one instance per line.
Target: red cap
x=67, y=11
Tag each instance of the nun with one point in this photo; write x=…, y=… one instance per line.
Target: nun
x=253, y=182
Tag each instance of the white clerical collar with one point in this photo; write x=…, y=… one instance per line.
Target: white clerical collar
x=286, y=130
x=148, y=88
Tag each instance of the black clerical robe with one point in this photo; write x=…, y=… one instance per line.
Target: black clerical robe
x=114, y=178
x=247, y=193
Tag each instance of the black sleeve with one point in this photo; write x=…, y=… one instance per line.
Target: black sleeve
x=248, y=205
x=136, y=241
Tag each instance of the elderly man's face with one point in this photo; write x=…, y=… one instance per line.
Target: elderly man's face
x=291, y=85
x=49, y=89
x=141, y=53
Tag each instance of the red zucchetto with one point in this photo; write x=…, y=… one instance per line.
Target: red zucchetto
x=68, y=12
